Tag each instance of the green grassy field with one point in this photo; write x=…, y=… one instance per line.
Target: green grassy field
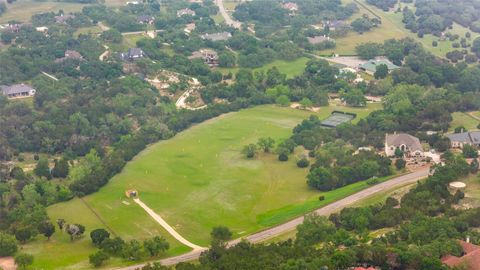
x=465, y=120
x=195, y=181
x=391, y=27
x=289, y=68
x=23, y=10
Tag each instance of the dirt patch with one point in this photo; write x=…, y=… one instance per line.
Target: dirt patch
x=7, y=263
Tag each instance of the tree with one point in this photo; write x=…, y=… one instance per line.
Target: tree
x=400, y=163
x=74, y=230
x=61, y=168
x=156, y=245
x=381, y=71
x=266, y=144
x=221, y=233
x=249, y=151
x=434, y=43
x=42, y=169
x=322, y=179
x=23, y=234
x=314, y=229
x=61, y=222
x=113, y=246
x=98, y=236
x=132, y=250
x=354, y=97
x=369, y=50
x=8, y=245
x=398, y=152
x=23, y=260
x=98, y=258
x=47, y=229
x=306, y=103
x=469, y=151
x=303, y=162
x=282, y=100
x=361, y=25
x=226, y=59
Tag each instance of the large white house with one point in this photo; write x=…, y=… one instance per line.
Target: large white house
x=408, y=144
x=17, y=91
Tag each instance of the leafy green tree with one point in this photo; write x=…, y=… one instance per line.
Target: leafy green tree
x=249, y=151
x=132, y=250
x=46, y=228
x=221, y=233
x=113, y=246
x=226, y=59
x=381, y=71
x=42, y=169
x=98, y=258
x=469, y=151
x=282, y=100
x=354, y=97
x=322, y=179
x=8, y=245
x=61, y=223
x=314, y=229
x=400, y=163
x=98, y=236
x=60, y=170
x=398, y=152
x=23, y=260
x=266, y=144
x=156, y=245
x=303, y=162
x=23, y=234
x=369, y=50
x=306, y=103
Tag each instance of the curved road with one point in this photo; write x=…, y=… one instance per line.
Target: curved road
x=228, y=20
x=292, y=224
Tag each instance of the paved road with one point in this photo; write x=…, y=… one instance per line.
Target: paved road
x=228, y=20
x=292, y=224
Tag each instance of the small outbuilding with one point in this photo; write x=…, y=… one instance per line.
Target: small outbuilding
x=131, y=193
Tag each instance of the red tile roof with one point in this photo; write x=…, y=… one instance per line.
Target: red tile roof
x=471, y=259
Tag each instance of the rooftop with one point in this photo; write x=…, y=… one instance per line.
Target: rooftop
x=15, y=89
x=217, y=36
x=470, y=259
x=371, y=65
x=472, y=137
x=318, y=39
x=413, y=143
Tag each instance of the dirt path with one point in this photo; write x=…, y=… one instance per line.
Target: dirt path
x=104, y=54
x=50, y=76
x=292, y=224
x=167, y=227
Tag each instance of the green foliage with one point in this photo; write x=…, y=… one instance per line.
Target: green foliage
x=98, y=258
x=221, y=233
x=469, y=151
x=381, y=71
x=42, y=169
x=266, y=144
x=303, y=162
x=249, y=151
x=98, y=236
x=369, y=50
x=400, y=163
x=23, y=260
x=47, y=229
x=23, y=234
x=61, y=168
x=8, y=245
x=156, y=245
x=132, y=250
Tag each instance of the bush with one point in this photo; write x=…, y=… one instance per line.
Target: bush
x=321, y=198
x=372, y=181
x=400, y=163
x=23, y=260
x=8, y=245
x=303, y=162
x=21, y=158
x=97, y=258
x=36, y=157
x=434, y=43
x=283, y=157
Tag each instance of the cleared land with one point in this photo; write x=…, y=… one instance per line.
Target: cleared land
x=391, y=27
x=195, y=181
x=289, y=68
x=465, y=120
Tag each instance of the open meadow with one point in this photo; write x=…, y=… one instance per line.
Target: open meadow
x=195, y=181
x=289, y=68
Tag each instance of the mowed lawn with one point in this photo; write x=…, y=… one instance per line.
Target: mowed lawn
x=462, y=119
x=195, y=181
x=23, y=10
x=289, y=68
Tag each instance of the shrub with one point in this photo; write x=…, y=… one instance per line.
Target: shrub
x=303, y=162
x=321, y=198
x=400, y=163
x=434, y=43
x=8, y=245
x=372, y=181
x=283, y=157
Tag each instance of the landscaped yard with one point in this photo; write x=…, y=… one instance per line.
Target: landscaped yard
x=195, y=181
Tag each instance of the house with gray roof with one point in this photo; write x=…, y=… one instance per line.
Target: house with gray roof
x=371, y=65
x=185, y=12
x=132, y=54
x=145, y=19
x=458, y=140
x=216, y=36
x=408, y=144
x=63, y=18
x=17, y=91
x=70, y=54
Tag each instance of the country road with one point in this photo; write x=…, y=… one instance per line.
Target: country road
x=292, y=224
x=228, y=20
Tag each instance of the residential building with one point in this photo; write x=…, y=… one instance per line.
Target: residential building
x=189, y=27
x=209, y=57
x=185, y=11
x=470, y=259
x=70, y=54
x=17, y=91
x=334, y=24
x=458, y=140
x=146, y=19
x=13, y=28
x=217, y=36
x=290, y=6
x=132, y=54
x=62, y=18
x=408, y=144
x=319, y=39
x=42, y=29
x=371, y=65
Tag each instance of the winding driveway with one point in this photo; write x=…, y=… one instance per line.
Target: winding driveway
x=292, y=224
